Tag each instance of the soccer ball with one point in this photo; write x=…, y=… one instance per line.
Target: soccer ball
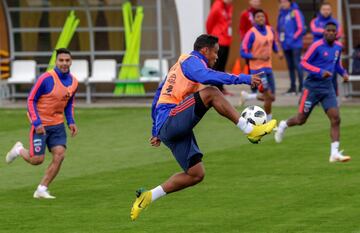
x=254, y=115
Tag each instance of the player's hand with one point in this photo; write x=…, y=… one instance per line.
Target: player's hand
x=155, y=141
x=73, y=130
x=281, y=55
x=346, y=78
x=255, y=79
x=327, y=74
x=40, y=129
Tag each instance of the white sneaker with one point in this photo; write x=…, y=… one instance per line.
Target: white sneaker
x=12, y=155
x=279, y=134
x=243, y=97
x=43, y=194
x=339, y=157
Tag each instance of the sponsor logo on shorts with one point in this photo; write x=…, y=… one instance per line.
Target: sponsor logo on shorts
x=265, y=82
x=37, y=149
x=307, y=106
x=37, y=142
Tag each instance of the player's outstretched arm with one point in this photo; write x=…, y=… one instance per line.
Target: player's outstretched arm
x=196, y=71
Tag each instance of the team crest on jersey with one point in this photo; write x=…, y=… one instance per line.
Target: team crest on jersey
x=326, y=54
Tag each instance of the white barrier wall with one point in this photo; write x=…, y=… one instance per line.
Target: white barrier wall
x=192, y=16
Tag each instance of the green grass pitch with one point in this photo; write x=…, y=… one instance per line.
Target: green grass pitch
x=288, y=187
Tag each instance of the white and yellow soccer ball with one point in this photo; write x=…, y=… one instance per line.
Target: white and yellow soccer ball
x=254, y=115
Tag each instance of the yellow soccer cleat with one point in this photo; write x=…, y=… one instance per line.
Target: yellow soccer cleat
x=143, y=200
x=261, y=130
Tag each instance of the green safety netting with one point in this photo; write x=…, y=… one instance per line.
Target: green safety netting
x=66, y=35
x=130, y=64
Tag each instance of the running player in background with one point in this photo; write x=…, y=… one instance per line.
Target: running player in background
x=321, y=60
x=180, y=103
x=257, y=46
x=317, y=28
x=51, y=96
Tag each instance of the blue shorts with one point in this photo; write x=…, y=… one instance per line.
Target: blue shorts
x=177, y=131
x=268, y=82
x=334, y=81
x=55, y=136
x=310, y=97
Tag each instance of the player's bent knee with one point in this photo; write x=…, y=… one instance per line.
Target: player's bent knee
x=197, y=173
x=208, y=94
x=196, y=179
x=335, y=121
x=37, y=160
x=301, y=122
x=59, y=157
x=212, y=90
x=199, y=177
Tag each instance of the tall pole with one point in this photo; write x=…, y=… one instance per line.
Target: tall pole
x=159, y=36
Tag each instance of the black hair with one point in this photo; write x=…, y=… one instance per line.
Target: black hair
x=288, y=1
x=62, y=50
x=258, y=11
x=205, y=41
x=325, y=4
x=330, y=23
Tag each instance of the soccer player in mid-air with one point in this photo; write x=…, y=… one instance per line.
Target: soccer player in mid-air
x=257, y=46
x=51, y=96
x=322, y=59
x=180, y=103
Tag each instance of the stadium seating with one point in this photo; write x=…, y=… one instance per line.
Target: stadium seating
x=22, y=72
x=150, y=71
x=80, y=68
x=103, y=71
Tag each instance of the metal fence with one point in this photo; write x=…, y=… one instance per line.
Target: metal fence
x=163, y=25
